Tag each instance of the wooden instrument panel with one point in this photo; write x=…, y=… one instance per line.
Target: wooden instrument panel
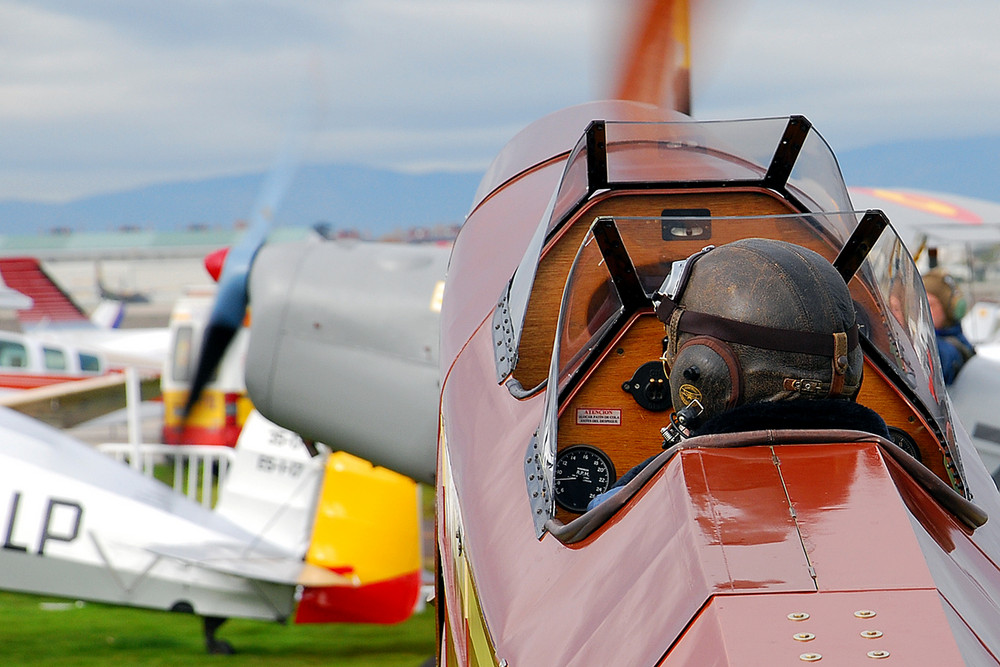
x=603, y=415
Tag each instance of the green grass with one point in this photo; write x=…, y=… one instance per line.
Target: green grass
x=95, y=634
x=165, y=473
x=45, y=631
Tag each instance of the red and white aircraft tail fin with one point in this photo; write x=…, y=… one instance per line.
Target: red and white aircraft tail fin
x=50, y=304
x=44, y=303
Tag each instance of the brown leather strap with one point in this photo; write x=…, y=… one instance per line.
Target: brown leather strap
x=768, y=338
x=839, y=363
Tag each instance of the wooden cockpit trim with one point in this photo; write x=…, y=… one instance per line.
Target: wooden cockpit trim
x=543, y=306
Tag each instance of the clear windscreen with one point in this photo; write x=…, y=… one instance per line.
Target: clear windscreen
x=609, y=283
x=899, y=325
x=712, y=153
x=888, y=293
x=702, y=151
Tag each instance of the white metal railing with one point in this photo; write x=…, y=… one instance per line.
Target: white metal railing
x=195, y=466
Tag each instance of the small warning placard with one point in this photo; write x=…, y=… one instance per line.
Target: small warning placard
x=599, y=416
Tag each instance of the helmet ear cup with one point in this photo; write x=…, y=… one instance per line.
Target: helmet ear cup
x=947, y=290
x=706, y=369
x=958, y=306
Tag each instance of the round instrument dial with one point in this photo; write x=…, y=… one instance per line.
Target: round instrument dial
x=904, y=441
x=582, y=472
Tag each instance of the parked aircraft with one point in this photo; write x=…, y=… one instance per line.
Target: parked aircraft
x=120, y=296
x=80, y=525
x=734, y=549
x=27, y=362
x=66, y=366
x=223, y=406
x=926, y=219
x=49, y=304
x=54, y=318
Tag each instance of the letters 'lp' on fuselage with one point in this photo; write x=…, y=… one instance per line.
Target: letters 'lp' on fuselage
x=749, y=548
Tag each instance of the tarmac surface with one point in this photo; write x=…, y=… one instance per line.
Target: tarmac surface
x=161, y=280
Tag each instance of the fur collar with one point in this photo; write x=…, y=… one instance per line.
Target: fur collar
x=809, y=413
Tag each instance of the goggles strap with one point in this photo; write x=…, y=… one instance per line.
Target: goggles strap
x=839, y=363
x=768, y=338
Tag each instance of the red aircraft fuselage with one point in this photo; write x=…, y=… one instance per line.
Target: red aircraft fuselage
x=761, y=548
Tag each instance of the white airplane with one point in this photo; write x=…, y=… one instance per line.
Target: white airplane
x=79, y=525
x=52, y=317
x=928, y=218
x=65, y=365
x=27, y=362
x=937, y=223
x=64, y=368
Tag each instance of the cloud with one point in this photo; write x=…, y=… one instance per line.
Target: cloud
x=865, y=72
x=126, y=94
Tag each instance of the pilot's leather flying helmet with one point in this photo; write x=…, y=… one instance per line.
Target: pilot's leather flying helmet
x=757, y=320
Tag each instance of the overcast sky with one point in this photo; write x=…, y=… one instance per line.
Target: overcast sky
x=103, y=95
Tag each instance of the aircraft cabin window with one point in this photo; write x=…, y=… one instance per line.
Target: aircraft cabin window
x=55, y=360
x=13, y=355
x=90, y=363
x=180, y=370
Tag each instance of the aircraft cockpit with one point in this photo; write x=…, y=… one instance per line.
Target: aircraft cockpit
x=578, y=318
x=611, y=406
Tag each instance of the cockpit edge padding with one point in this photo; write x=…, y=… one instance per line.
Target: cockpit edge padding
x=970, y=514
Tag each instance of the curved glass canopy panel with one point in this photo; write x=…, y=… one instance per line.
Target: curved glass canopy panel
x=622, y=262
x=781, y=154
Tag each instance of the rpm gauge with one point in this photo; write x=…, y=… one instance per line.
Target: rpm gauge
x=582, y=472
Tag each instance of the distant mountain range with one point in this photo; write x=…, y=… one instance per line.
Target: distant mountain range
x=372, y=201
x=376, y=202
x=968, y=167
